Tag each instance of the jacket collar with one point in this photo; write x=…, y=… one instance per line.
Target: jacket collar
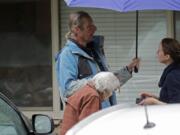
x=168, y=69
x=76, y=50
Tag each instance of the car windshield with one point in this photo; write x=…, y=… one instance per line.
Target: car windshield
x=10, y=122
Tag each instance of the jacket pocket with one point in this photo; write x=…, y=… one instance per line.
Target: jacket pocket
x=84, y=69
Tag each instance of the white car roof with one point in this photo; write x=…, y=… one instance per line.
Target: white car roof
x=131, y=120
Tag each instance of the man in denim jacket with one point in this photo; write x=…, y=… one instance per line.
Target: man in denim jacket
x=80, y=59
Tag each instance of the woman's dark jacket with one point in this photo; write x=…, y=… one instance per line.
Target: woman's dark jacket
x=170, y=84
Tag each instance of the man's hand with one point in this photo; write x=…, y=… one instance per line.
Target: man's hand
x=134, y=63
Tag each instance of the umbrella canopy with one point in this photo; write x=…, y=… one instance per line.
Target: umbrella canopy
x=127, y=5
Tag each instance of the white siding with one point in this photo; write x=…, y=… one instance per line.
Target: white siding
x=119, y=32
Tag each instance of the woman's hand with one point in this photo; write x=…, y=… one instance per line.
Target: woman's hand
x=150, y=101
x=146, y=94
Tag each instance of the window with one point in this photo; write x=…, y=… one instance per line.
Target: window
x=26, y=52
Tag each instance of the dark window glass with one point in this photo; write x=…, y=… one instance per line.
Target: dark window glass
x=25, y=52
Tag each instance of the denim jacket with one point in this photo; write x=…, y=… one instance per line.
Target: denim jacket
x=70, y=61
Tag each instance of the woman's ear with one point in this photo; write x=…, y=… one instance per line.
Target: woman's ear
x=168, y=57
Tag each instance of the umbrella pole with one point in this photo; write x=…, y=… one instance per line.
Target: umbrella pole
x=137, y=21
